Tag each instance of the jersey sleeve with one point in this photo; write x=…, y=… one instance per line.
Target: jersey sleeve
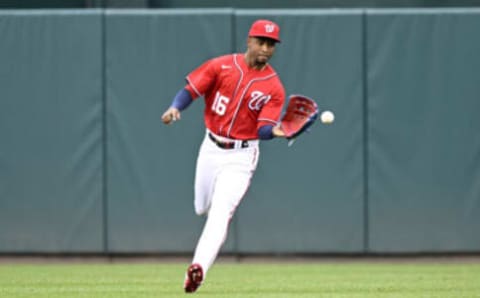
x=201, y=79
x=272, y=110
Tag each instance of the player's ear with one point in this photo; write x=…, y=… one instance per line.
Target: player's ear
x=250, y=41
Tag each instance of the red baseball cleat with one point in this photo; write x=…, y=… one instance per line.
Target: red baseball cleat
x=194, y=278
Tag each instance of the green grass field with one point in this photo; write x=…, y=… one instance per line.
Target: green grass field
x=317, y=279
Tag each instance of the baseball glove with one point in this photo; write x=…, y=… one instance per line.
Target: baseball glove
x=301, y=113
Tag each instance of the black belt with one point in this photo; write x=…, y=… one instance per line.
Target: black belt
x=226, y=145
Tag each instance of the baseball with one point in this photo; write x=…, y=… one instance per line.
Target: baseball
x=327, y=117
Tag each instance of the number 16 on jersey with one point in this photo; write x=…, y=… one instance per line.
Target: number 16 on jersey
x=219, y=105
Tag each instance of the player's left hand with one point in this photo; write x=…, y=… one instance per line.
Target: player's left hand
x=278, y=132
x=171, y=115
x=301, y=113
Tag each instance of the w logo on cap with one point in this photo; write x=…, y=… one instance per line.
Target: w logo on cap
x=269, y=28
x=265, y=28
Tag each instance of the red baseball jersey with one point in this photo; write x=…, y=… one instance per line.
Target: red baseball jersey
x=238, y=99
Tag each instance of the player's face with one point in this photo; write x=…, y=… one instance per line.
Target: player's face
x=260, y=50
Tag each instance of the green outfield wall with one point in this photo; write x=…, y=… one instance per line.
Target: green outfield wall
x=86, y=165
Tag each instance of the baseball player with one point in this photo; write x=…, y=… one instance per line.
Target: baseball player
x=243, y=103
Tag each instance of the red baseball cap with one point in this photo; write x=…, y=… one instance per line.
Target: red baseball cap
x=265, y=28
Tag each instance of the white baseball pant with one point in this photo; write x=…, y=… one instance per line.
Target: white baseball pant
x=221, y=180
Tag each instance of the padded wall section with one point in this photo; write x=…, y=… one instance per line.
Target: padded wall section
x=50, y=132
x=424, y=141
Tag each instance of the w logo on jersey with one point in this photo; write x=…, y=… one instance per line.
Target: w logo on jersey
x=257, y=100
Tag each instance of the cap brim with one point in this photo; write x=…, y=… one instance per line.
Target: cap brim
x=265, y=36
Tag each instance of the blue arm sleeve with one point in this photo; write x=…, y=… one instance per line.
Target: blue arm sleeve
x=265, y=132
x=182, y=100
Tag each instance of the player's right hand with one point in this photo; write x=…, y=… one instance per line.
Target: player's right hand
x=171, y=115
